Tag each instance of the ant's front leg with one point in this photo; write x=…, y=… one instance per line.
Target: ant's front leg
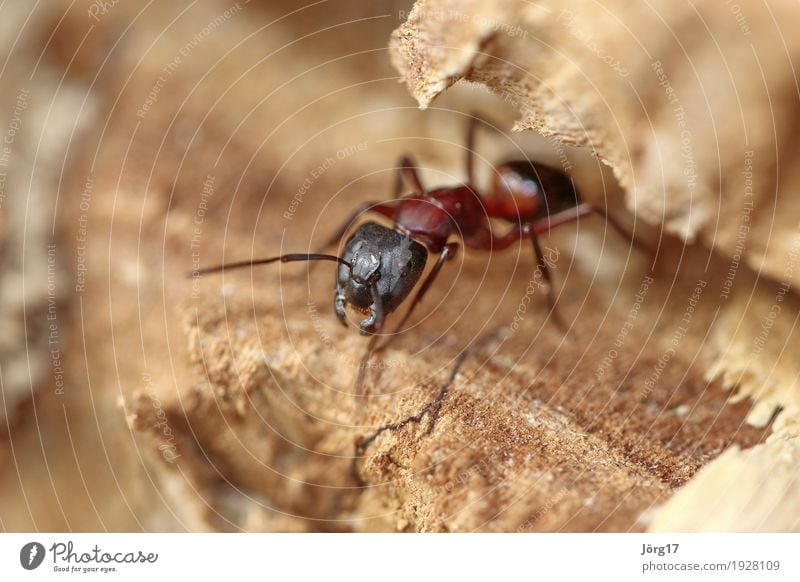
x=407, y=170
x=448, y=252
x=381, y=208
x=372, y=325
x=364, y=364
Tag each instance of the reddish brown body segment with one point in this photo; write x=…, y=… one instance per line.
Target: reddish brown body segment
x=528, y=195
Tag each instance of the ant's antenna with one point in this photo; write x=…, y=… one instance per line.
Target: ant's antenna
x=282, y=258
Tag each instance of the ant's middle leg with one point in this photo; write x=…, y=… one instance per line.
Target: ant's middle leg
x=486, y=240
x=544, y=268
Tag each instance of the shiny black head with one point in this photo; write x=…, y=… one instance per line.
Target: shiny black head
x=384, y=266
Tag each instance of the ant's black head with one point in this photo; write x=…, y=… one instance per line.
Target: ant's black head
x=384, y=265
x=379, y=269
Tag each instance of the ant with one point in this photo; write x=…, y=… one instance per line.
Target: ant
x=381, y=266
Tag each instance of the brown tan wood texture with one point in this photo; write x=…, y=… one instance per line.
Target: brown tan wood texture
x=197, y=133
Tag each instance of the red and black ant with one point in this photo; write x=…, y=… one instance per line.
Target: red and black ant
x=381, y=266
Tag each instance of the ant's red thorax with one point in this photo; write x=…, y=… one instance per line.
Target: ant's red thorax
x=435, y=215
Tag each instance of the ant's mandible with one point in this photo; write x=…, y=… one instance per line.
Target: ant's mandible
x=381, y=266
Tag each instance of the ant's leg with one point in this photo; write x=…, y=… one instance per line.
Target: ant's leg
x=620, y=230
x=407, y=169
x=448, y=252
x=372, y=325
x=381, y=208
x=486, y=240
x=544, y=269
x=571, y=214
x=544, y=225
x=469, y=144
x=559, y=218
x=364, y=364
x=475, y=120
